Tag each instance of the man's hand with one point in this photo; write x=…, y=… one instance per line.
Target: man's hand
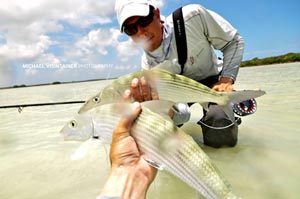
x=124, y=151
x=224, y=85
x=130, y=175
x=141, y=90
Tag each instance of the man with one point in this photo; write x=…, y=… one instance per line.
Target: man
x=205, y=31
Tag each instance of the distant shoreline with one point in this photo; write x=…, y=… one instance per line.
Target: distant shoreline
x=282, y=59
x=54, y=83
x=269, y=64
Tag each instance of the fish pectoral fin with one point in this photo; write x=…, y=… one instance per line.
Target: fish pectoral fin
x=153, y=164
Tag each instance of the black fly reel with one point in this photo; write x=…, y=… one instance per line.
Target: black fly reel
x=246, y=107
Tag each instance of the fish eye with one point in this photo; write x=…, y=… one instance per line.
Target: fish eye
x=73, y=123
x=96, y=100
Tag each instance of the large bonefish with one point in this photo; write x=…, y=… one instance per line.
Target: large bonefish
x=171, y=87
x=163, y=143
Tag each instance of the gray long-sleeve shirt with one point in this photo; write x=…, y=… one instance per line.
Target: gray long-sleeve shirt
x=205, y=31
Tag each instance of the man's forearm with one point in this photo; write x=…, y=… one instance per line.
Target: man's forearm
x=233, y=54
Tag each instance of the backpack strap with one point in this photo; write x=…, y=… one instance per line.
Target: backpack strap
x=180, y=37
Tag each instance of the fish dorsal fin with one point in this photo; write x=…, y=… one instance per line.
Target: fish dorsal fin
x=161, y=107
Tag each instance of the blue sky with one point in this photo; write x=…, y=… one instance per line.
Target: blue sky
x=42, y=41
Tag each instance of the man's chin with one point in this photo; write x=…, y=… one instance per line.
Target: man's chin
x=146, y=45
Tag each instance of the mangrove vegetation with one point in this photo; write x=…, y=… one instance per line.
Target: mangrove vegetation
x=287, y=58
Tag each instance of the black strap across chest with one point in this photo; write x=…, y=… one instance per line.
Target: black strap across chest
x=180, y=37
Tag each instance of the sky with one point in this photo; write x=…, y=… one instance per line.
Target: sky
x=45, y=41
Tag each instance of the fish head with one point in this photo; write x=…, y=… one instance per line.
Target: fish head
x=107, y=95
x=79, y=128
x=92, y=102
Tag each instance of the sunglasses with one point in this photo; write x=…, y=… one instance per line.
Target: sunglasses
x=143, y=22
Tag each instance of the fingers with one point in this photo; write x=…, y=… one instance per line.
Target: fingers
x=123, y=147
x=124, y=126
x=129, y=119
x=145, y=90
x=154, y=93
x=141, y=90
x=127, y=95
x=135, y=90
x=222, y=87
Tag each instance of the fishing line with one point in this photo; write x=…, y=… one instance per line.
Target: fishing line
x=218, y=128
x=20, y=107
x=41, y=104
x=55, y=111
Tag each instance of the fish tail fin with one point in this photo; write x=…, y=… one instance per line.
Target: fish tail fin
x=239, y=96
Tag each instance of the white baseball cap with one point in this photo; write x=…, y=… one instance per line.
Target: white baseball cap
x=129, y=8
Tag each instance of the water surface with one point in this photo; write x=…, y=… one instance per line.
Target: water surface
x=37, y=164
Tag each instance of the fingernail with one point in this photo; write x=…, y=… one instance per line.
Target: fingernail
x=127, y=92
x=135, y=82
x=136, y=105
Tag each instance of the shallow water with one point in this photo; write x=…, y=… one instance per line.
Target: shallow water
x=36, y=163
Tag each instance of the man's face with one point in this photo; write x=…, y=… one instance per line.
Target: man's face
x=148, y=37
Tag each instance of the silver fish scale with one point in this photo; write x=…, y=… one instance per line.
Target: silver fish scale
x=147, y=139
x=182, y=82
x=178, y=82
x=184, y=159
x=188, y=161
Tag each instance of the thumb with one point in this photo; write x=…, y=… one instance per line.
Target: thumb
x=127, y=120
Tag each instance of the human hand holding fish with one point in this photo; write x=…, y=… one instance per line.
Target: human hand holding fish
x=165, y=85
x=128, y=167
x=223, y=85
x=154, y=130
x=141, y=90
x=163, y=144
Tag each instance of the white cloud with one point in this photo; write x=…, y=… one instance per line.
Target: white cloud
x=50, y=32
x=128, y=49
x=24, y=25
x=48, y=59
x=94, y=45
x=99, y=40
x=74, y=11
x=86, y=13
x=31, y=72
x=25, y=51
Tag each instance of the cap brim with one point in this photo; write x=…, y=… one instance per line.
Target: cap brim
x=136, y=10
